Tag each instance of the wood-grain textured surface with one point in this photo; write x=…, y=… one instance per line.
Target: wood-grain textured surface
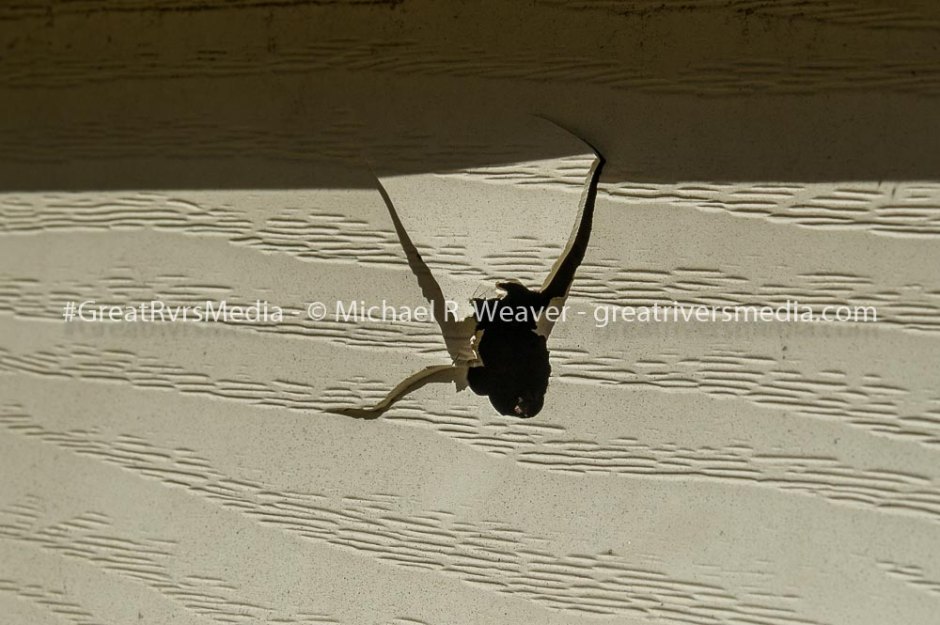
x=680, y=473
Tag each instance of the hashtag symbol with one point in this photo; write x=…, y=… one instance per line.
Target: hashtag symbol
x=69, y=312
